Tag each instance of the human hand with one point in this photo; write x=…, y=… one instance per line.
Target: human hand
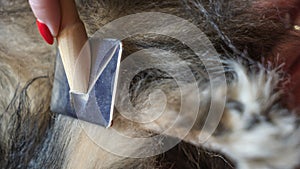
x=48, y=14
x=60, y=19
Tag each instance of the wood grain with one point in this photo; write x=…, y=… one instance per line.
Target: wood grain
x=71, y=39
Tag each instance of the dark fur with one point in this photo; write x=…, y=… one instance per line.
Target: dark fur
x=34, y=137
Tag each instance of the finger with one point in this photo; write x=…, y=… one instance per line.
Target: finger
x=47, y=12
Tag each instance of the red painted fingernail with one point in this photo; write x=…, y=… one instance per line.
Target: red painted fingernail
x=45, y=32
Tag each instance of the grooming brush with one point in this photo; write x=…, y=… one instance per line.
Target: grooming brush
x=86, y=71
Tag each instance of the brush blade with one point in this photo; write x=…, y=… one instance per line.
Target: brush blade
x=97, y=105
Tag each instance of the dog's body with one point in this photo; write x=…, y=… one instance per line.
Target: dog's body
x=256, y=130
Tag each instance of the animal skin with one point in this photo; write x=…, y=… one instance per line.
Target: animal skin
x=259, y=127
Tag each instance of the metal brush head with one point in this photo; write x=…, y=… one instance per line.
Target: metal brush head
x=96, y=106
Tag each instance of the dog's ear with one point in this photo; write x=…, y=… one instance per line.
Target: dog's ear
x=279, y=4
x=287, y=50
x=287, y=47
x=284, y=11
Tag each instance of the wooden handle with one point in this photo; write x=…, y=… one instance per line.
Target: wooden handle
x=71, y=39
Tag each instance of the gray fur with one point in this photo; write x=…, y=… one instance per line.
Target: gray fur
x=34, y=137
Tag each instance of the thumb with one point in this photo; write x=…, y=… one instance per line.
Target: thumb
x=47, y=12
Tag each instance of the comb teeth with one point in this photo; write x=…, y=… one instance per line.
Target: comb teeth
x=97, y=105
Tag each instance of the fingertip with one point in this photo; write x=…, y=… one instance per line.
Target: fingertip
x=45, y=32
x=47, y=12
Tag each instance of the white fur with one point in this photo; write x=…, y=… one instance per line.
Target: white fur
x=273, y=144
